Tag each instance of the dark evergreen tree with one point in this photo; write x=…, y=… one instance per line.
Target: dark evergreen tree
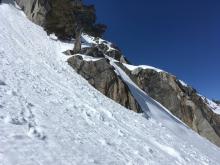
x=59, y=19
x=69, y=18
x=84, y=19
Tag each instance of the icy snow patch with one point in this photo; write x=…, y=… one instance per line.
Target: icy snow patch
x=183, y=83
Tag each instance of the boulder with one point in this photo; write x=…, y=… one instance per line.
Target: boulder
x=101, y=75
x=92, y=51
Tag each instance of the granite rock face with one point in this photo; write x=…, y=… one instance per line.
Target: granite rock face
x=183, y=101
x=36, y=10
x=113, y=52
x=102, y=49
x=101, y=75
x=55, y=16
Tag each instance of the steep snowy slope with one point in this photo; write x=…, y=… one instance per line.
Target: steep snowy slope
x=51, y=115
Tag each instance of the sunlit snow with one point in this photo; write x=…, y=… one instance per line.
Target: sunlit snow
x=50, y=115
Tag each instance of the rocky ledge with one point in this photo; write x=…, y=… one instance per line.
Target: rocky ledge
x=181, y=99
x=100, y=74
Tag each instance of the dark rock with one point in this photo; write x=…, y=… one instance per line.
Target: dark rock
x=89, y=51
x=101, y=75
x=92, y=51
x=99, y=51
x=113, y=53
x=117, y=55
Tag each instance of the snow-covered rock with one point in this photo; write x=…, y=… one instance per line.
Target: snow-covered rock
x=179, y=98
x=214, y=106
x=100, y=74
x=51, y=115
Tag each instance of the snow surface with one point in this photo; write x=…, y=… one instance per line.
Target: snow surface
x=215, y=107
x=51, y=115
x=183, y=83
x=133, y=67
x=88, y=39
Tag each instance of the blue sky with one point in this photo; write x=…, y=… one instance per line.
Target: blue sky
x=181, y=37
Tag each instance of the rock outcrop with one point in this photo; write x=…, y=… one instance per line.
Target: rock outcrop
x=104, y=48
x=36, y=10
x=183, y=101
x=60, y=16
x=112, y=51
x=100, y=74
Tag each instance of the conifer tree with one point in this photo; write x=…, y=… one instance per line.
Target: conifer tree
x=69, y=18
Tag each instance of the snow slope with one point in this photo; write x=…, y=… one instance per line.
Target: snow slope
x=51, y=115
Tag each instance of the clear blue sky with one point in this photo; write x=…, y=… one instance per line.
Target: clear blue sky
x=179, y=36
